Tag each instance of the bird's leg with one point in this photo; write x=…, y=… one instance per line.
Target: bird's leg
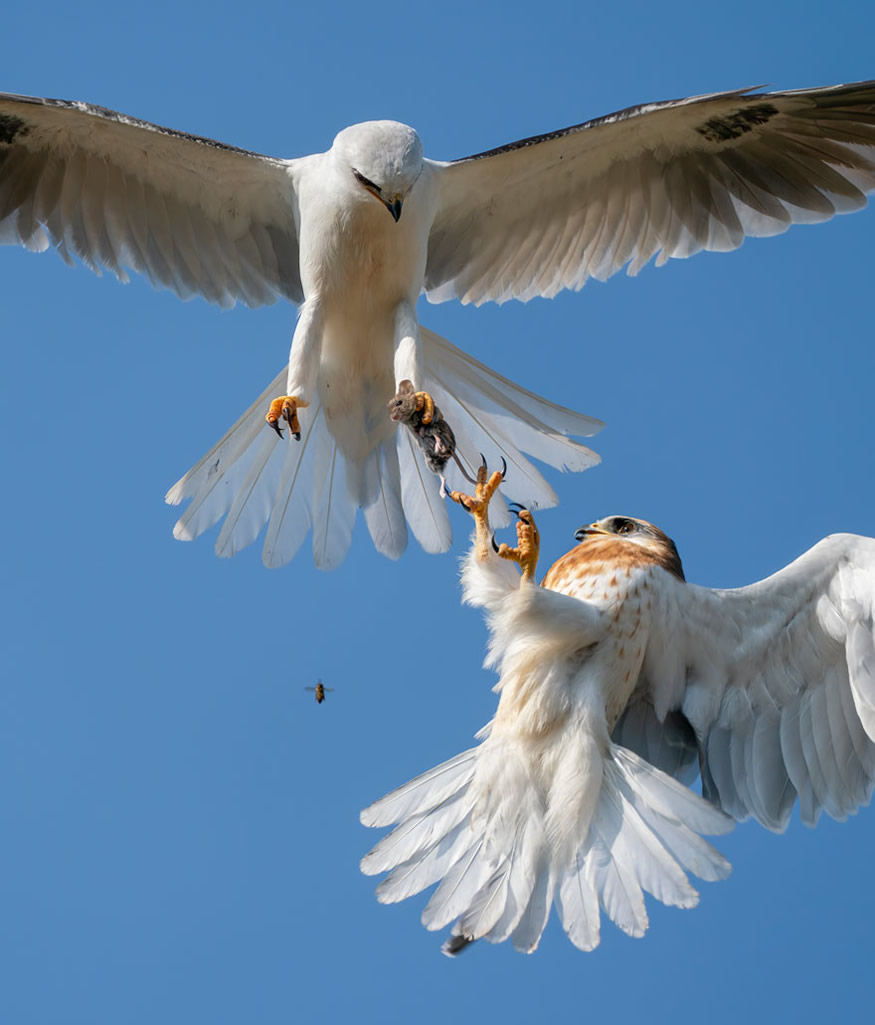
x=286, y=408
x=303, y=370
x=408, y=357
x=478, y=506
x=525, y=555
x=425, y=405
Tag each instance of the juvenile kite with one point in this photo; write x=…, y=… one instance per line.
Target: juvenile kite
x=619, y=682
x=354, y=235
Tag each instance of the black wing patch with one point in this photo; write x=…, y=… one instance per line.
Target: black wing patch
x=734, y=125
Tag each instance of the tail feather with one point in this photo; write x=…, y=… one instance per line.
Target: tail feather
x=457, y=889
x=385, y=514
x=292, y=514
x=252, y=501
x=578, y=905
x=252, y=479
x=486, y=908
x=417, y=834
x=209, y=471
x=427, y=867
x=426, y=791
x=443, y=356
x=333, y=509
x=527, y=933
x=425, y=510
x=620, y=895
x=480, y=435
x=635, y=843
x=500, y=869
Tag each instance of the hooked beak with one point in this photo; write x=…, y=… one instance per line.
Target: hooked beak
x=394, y=208
x=583, y=532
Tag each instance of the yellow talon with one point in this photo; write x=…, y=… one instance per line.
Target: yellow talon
x=525, y=555
x=286, y=408
x=478, y=506
x=425, y=402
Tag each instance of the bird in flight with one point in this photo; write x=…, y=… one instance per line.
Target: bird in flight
x=354, y=236
x=619, y=682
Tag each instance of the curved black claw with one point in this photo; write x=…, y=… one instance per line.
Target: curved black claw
x=494, y=545
x=288, y=416
x=503, y=468
x=275, y=425
x=517, y=508
x=483, y=461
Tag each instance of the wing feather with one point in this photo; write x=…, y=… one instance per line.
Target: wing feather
x=671, y=179
x=196, y=216
x=775, y=679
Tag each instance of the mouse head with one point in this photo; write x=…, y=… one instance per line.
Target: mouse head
x=402, y=405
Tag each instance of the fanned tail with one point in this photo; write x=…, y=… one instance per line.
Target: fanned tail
x=252, y=479
x=501, y=852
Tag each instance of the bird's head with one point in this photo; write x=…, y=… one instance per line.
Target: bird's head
x=628, y=530
x=384, y=158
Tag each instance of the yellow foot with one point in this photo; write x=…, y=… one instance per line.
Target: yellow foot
x=525, y=555
x=478, y=505
x=425, y=405
x=286, y=408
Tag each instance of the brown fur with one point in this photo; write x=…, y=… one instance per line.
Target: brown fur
x=436, y=439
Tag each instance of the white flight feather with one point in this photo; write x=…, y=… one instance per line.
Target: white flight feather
x=242, y=475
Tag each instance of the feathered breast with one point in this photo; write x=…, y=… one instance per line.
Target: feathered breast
x=599, y=564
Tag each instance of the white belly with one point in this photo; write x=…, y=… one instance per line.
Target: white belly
x=360, y=266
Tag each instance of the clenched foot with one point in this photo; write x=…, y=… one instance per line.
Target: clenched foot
x=525, y=555
x=478, y=506
x=425, y=405
x=286, y=408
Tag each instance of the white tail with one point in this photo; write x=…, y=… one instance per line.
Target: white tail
x=485, y=828
x=251, y=478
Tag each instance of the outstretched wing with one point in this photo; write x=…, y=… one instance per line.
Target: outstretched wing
x=673, y=178
x=777, y=681
x=194, y=215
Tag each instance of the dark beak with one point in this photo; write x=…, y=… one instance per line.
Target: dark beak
x=584, y=532
x=394, y=209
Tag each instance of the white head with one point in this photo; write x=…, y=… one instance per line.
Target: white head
x=383, y=157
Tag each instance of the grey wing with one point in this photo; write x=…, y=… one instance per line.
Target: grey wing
x=194, y=215
x=776, y=681
x=672, y=178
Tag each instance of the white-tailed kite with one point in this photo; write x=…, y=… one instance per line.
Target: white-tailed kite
x=618, y=682
x=355, y=234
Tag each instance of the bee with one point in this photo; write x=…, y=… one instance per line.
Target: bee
x=320, y=690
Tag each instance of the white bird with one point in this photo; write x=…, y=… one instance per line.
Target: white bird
x=618, y=681
x=355, y=234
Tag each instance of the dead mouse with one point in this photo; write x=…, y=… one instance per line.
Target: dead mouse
x=436, y=439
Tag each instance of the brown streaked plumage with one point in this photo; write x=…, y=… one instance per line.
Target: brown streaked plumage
x=603, y=547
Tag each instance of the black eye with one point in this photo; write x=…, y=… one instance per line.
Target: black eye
x=623, y=526
x=368, y=184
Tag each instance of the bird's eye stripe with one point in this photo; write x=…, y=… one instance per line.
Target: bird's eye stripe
x=359, y=177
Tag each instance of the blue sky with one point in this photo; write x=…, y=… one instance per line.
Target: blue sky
x=179, y=835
